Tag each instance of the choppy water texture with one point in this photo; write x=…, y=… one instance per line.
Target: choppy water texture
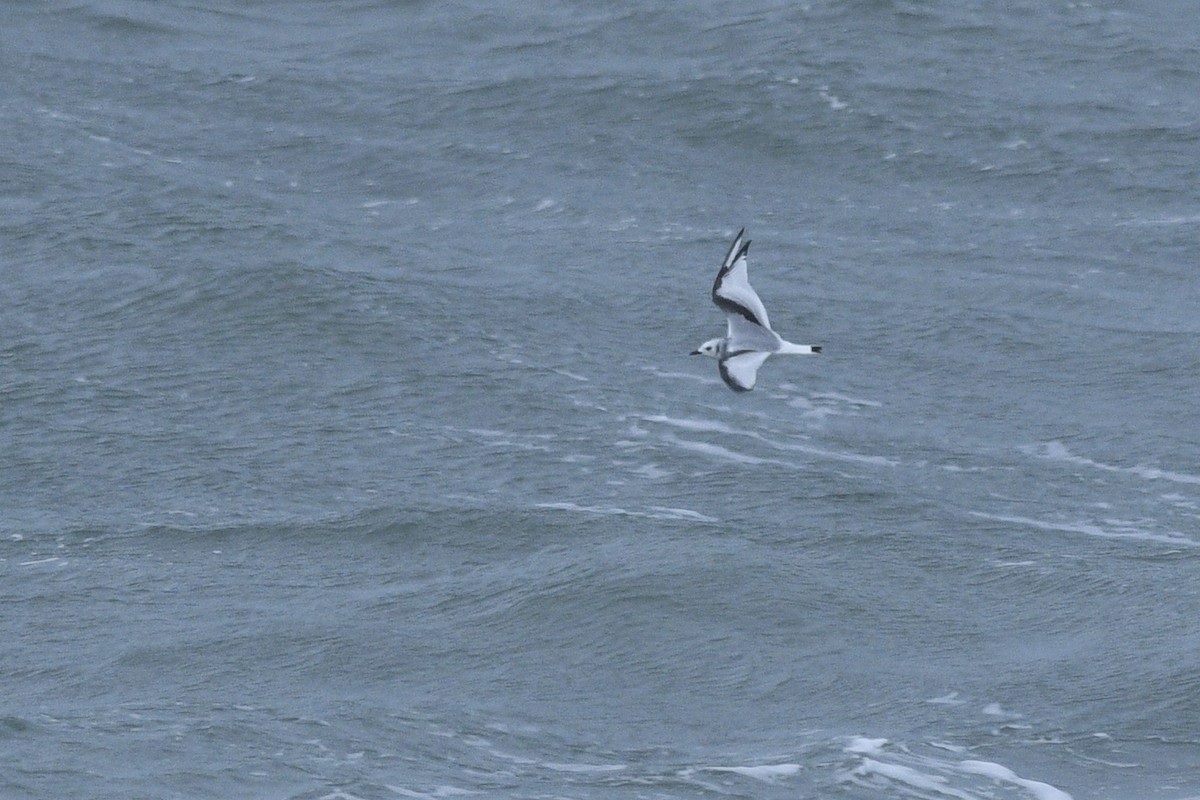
x=351, y=448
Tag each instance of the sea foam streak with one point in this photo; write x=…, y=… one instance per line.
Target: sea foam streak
x=1002, y=774
x=1091, y=529
x=710, y=426
x=765, y=772
x=655, y=512
x=1057, y=451
x=897, y=769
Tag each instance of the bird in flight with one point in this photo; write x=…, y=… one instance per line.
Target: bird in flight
x=749, y=340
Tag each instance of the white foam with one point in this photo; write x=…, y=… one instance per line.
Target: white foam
x=950, y=699
x=1178, y=219
x=710, y=426
x=833, y=455
x=652, y=471
x=683, y=513
x=717, y=451
x=683, y=375
x=1154, y=474
x=570, y=375
x=495, y=752
x=1057, y=451
x=1180, y=501
x=901, y=772
x=656, y=512
x=1091, y=529
x=496, y=438
x=49, y=560
x=1002, y=774
x=584, y=768
x=995, y=710
x=695, y=425
x=864, y=746
x=766, y=772
x=439, y=791
x=910, y=777
x=843, y=398
x=833, y=100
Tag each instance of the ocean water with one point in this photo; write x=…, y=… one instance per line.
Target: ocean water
x=351, y=449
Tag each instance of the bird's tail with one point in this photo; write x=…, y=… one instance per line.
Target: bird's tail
x=799, y=349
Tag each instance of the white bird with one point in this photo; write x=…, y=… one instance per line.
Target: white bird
x=749, y=339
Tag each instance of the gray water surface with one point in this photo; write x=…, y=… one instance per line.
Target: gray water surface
x=351, y=448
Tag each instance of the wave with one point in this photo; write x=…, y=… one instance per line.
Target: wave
x=896, y=769
x=1057, y=451
x=654, y=512
x=719, y=451
x=1118, y=530
x=855, y=766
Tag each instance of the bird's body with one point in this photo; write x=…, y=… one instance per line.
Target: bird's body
x=748, y=340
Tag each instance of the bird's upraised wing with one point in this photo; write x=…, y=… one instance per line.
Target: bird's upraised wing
x=731, y=290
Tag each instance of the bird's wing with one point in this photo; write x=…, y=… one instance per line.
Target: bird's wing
x=744, y=334
x=739, y=369
x=732, y=291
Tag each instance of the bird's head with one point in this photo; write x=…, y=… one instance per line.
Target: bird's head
x=711, y=348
